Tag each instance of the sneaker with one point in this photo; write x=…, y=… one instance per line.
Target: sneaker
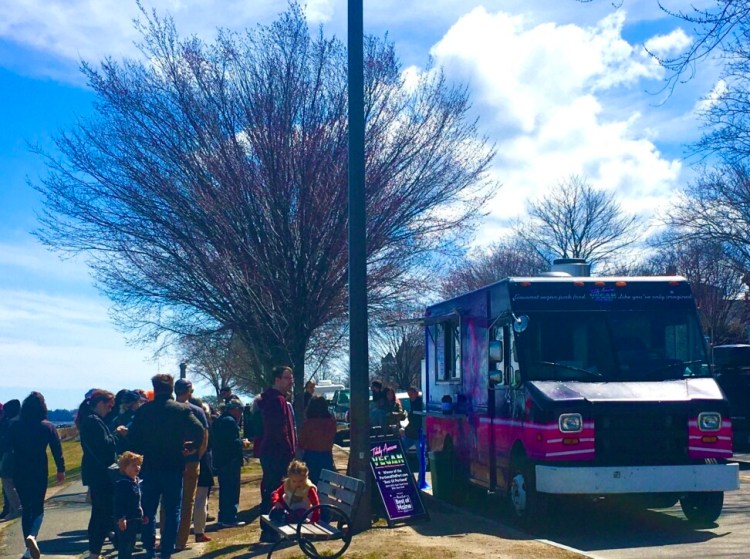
x=33, y=547
x=200, y=538
x=235, y=524
x=210, y=518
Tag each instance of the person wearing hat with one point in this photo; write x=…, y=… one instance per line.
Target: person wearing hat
x=226, y=394
x=226, y=446
x=163, y=431
x=183, y=390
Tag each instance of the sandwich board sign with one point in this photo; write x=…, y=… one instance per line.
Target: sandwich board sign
x=395, y=481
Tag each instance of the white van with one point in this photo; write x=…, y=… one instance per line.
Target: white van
x=326, y=388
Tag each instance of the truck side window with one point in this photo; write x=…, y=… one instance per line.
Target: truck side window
x=447, y=351
x=495, y=351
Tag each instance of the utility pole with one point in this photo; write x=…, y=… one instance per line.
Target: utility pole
x=359, y=450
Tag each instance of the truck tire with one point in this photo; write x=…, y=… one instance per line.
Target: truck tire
x=529, y=508
x=702, y=508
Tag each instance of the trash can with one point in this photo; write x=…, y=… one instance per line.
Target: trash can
x=442, y=472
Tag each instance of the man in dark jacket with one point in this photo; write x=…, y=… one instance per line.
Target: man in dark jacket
x=227, y=445
x=164, y=432
x=410, y=434
x=279, y=439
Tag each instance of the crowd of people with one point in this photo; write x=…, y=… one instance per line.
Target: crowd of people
x=164, y=449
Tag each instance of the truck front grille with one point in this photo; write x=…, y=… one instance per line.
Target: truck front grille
x=641, y=435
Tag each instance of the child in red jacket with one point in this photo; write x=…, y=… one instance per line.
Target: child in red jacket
x=291, y=501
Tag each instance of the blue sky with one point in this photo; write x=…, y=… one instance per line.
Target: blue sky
x=561, y=87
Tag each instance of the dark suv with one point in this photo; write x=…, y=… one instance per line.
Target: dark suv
x=732, y=373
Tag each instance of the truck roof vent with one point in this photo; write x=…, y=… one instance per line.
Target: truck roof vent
x=576, y=267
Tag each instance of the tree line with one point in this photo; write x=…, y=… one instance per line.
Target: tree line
x=208, y=191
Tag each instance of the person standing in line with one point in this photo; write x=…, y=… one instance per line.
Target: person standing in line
x=99, y=452
x=316, y=437
x=13, y=507
x=257, y=426
x=163, y=431
x=393, y=410
x=183, y=390
x=278, y=445
x=128, y=512
x=377, y=405
x=410, y=433
x=309, y=391
x=205, y=483
x=29, y=437
x=226, y=395
x=227, y=445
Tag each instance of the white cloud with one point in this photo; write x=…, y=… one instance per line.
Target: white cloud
x=56, y=335
x=719, y=89
x=81, y=29
x=556, y=86
x=668, y=45
x=551, y=97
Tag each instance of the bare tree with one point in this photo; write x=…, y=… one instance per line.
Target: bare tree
x=508, y=257
x=220, y=360
x=714, y=279
x=576, y=221
x=209, y=189
x=401, y=339
x=715, y=208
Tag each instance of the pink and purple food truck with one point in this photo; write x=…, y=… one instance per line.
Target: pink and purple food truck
x=568, y=384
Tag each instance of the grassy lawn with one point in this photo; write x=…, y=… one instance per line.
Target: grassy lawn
x=73, y=454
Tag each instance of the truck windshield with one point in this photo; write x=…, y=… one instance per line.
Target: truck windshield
x=612, y=346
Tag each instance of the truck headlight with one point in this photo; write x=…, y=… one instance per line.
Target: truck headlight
x=570, y=422
x=709, y=421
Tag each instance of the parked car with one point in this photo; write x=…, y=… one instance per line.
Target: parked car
x=340, y=409
x=732, y=374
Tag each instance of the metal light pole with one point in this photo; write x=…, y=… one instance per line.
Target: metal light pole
x=359, y=450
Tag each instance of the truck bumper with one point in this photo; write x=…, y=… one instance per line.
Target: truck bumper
x=637, y=479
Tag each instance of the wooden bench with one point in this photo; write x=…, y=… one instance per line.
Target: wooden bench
x=339, y=496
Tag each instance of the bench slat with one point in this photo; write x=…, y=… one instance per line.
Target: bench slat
x=309, y=529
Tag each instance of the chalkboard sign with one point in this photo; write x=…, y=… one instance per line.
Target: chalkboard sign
x=395, y=482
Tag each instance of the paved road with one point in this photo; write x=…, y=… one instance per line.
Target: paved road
x=63, y=534
x=616, y=532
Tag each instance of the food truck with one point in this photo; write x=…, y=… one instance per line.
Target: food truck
x=567, y=384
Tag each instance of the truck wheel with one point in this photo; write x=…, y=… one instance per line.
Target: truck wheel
x=529, y=507
x=702, y=508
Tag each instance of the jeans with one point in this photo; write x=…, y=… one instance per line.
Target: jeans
x=229, y=490
x=167, y=486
